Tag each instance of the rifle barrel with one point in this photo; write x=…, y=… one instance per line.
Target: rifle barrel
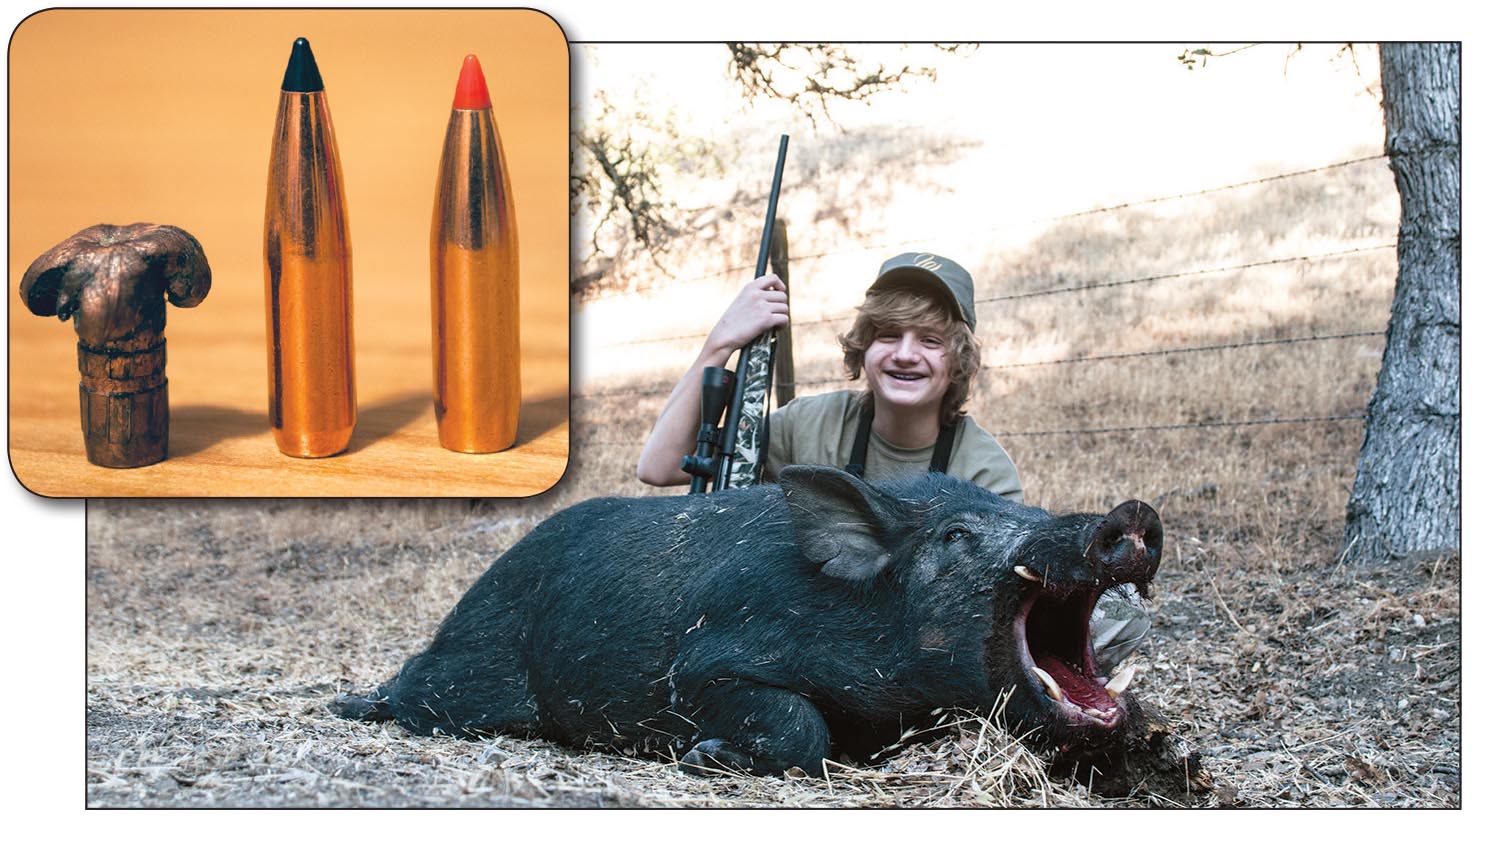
x=767, y=229
x=732, y=414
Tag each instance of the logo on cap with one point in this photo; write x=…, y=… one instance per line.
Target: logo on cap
x=927, y=262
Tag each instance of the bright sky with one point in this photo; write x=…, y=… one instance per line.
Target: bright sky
x=1079, y=123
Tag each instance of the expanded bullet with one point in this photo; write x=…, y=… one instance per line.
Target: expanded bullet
x=309, y=292
x=475, y=279
x=110, y=280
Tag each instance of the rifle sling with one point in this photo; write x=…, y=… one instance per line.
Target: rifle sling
x=941, y=449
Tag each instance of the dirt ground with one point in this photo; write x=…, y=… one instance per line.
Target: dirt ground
x=217, y=632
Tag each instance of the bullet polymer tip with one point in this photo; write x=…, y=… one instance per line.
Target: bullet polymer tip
x=471, y=92
x=302, y=70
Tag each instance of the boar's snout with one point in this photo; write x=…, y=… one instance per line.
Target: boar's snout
x=1127, y=546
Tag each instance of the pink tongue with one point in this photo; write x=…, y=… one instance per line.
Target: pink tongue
x=1077, y=689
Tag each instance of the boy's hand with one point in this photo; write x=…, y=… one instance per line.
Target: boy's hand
x=760, y=307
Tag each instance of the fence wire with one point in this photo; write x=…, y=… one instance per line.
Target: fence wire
x=1209, y=190
x=1193, y=273
x=1091, y=431
x=1190, y=274
x=660, y=389
x=869, y=246
x=1080, y=431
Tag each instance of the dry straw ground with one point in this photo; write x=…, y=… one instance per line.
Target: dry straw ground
x=217, y=631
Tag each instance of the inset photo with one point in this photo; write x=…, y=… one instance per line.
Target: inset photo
x=293, y=253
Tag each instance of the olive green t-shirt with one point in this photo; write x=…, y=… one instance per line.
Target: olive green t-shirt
x=820, y=430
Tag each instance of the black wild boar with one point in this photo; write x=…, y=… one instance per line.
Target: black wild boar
x=772, y=627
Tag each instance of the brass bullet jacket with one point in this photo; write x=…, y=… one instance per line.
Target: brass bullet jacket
x=475, y=290
x=309, y=291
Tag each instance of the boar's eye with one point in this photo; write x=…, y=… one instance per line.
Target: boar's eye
x=955, y=533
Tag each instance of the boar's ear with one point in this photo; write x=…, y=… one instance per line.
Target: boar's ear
x=840, y=522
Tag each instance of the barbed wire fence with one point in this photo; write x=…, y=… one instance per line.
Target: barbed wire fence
x=862, y=246
x=664, y=388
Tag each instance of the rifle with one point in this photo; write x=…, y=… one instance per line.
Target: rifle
x=738, y=463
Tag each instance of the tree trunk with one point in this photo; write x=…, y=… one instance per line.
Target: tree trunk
x=1406, y=496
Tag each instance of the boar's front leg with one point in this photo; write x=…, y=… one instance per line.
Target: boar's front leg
x=755, y=728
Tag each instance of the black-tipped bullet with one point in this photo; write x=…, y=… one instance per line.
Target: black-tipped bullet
x=302, y=70
x=309, y=289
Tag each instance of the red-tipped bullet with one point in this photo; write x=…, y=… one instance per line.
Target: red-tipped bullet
x=476, y=278
x=471, y=92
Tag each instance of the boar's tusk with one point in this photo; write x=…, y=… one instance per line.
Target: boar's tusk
x=1049, y=682
x=1117, y=684
x=1026, y=573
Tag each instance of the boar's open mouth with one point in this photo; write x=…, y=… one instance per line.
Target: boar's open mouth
x=1053, y=641
x=1051, y=625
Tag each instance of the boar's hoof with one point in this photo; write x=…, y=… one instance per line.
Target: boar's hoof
x=715, y=755
x=353, y=707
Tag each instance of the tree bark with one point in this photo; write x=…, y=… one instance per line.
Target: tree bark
x=1406, y=496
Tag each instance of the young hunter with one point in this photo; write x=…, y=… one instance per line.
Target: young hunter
x=913, y=340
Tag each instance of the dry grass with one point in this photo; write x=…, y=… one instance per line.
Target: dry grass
x=210, y=662
x=217, y=630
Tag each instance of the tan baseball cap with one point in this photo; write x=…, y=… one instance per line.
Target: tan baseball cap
x=949, y=281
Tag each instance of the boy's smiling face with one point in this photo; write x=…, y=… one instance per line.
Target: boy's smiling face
x=908, y=366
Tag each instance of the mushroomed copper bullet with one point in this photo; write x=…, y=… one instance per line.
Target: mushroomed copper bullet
x=309, y=290
x=475, y=280
x=110, y=279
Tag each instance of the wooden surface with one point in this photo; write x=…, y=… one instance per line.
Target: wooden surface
x=168, y=118
x=220, y=438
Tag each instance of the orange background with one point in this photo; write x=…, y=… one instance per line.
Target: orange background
x=166, y=116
